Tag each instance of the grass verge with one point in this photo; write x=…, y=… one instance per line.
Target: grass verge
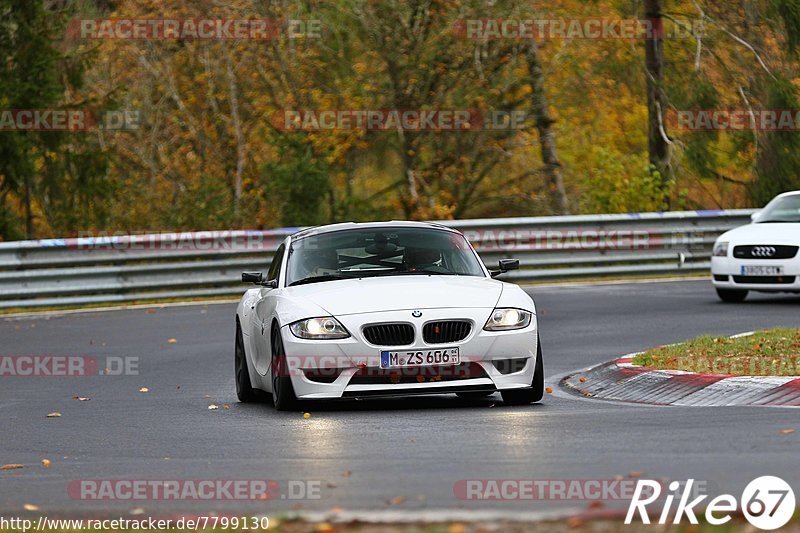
x=771, y=352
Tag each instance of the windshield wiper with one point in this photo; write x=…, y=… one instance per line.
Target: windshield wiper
x=317, y=279
x=427, y=272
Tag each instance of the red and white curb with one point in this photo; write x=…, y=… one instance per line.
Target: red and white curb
x=623, y=381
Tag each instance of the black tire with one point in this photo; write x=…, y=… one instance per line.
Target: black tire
x=533, y=393
x=732, y=295
x=283, y=396
x=244, y=390
x=474, y=395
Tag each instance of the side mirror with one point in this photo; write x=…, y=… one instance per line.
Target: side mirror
x=252, y=277
x=258, y=279
x=505, y=265
x=755, y=216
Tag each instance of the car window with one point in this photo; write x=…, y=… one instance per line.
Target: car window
x=785, y=209
x=382, y=251
x=275, y=267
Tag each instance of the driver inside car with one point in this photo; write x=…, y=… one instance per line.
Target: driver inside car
x=320, y=263
x=416, y=259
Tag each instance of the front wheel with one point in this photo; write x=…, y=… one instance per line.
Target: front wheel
x=244, y=390
x=732, y=295
x=282, y=390
x=535, y=392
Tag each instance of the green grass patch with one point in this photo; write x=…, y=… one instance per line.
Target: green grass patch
x=772, y=352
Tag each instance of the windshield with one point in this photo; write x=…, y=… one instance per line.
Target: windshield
x=786, y=209
x=380, y=252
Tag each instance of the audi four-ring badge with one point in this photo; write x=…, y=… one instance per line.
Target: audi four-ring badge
x=762, y=256
x=384, y=309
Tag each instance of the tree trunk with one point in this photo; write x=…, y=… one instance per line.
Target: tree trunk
x=28, y=208
x=240, y=140
x=657, y=141
x=547, y=138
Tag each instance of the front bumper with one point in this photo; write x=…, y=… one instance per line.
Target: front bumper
x=726, y=273
x=489, y=360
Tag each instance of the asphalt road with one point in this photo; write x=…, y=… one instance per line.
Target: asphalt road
x=364, y=455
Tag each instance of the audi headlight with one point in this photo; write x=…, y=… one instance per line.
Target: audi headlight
x=319, y=328
x=507, y=319
x=721, y=249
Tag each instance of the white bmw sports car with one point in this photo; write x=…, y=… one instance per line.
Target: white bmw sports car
x=382, y=309
x=762, y=256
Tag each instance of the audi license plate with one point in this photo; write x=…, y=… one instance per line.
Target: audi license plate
x=416, y=358
x=762, y=271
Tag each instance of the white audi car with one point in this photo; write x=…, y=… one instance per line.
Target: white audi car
x=382, y=309
x=762, y=256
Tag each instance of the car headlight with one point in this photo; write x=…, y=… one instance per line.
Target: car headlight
x=721, y=249
x=325, y=327
x=507, y=319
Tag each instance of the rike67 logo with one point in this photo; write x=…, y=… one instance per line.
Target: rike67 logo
x=767, y=502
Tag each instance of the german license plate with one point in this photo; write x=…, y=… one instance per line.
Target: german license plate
x=762, y=270
x=417, y=358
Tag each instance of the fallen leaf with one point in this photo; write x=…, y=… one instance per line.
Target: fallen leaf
x=456, y=528
x=213, y=407
x=46, y=463
x=787, y=431
x=144, y=389
x=30, y=507
x=398, y=500
x=583, y=380
x=596, y=504
x=336, y=510
x=137, y=511
x=635, y=473
x=306, y=415
x=12, y=466
x=548, y=390
x=226, y=407
x=324, y=527
x=575, y=522
x=172, y=341
x=54, y=415
x=347, y=473
x=150, y=311
x=330, y=485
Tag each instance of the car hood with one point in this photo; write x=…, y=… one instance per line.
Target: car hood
x=396, y=293
x=788, y=234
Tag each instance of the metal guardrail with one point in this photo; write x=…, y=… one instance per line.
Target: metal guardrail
x=115, y=269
